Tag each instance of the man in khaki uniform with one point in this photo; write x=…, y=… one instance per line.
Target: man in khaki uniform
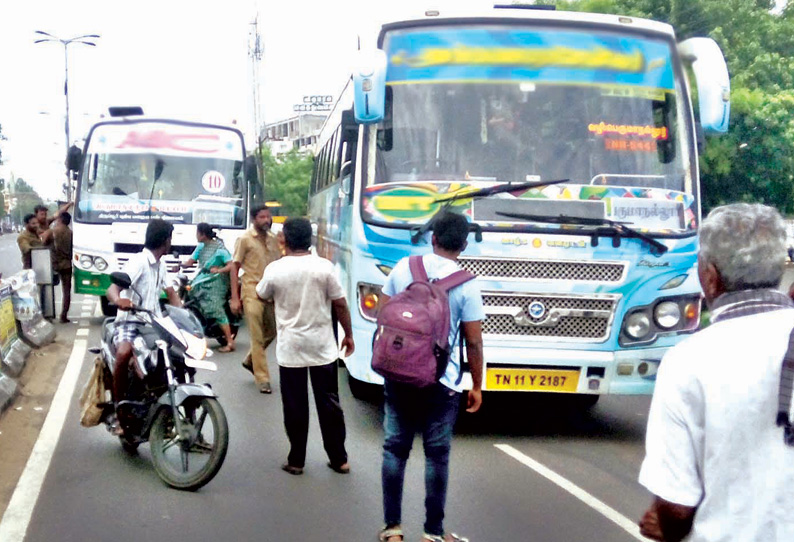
x=254, y=251
x=28, y=240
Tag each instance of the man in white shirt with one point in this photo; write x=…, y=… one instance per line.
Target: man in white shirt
x=305, y=290
x=147, y=274
x=719, y=446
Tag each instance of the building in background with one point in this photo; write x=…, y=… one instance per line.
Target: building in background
x=298, y=132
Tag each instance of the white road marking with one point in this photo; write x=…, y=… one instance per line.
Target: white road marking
x=98, y=311
x=17, y=516
x=605, y=510
x=82, y=332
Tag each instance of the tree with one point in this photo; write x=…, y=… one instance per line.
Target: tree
x=753, y=161
x=26, y=199
x=287, y=179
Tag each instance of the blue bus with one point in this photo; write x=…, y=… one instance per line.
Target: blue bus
x=570, y=141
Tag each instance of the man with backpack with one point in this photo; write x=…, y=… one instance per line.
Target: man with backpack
x=414, y=403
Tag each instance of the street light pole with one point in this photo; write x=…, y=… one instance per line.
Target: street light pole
x=65, y=43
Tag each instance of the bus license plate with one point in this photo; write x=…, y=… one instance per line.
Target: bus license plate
x=532, y=380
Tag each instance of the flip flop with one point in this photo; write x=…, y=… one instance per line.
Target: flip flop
x=226, y=349
x=385, y=534
x=344, y=468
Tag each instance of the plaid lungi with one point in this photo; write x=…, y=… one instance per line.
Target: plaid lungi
x=126, y=332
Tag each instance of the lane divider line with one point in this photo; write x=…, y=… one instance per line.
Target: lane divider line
x=17, y=516
x=82, y=332
x=599, y=506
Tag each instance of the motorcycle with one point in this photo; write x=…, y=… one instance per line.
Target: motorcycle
x=192, y=302
x=183, y=421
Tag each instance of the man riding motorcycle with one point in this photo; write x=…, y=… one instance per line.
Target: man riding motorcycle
x=147, y=271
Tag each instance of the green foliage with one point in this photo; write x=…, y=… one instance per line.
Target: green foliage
x=287, y=180
x=27, y=198
x=753, y=162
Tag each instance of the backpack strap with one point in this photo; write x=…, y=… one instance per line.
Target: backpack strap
x=454, y=280
x=417, y=267
x=785, y=393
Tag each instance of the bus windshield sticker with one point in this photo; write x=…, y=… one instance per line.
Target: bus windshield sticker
x=530, y=55
x=653, y=209
x=213, y=182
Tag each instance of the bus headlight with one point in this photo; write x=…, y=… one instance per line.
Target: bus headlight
x=100, y=263
x=86, y=261
x=637, y=326
x=667, y=314
x=369, y=300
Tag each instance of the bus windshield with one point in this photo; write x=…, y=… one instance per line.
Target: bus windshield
x=185, y=178
x=496, y=105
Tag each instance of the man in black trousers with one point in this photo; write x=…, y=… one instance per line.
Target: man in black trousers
x=305, y=290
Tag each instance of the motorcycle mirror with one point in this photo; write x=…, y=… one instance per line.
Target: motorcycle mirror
x=122, y=280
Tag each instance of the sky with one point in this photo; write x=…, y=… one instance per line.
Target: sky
x=175, y=58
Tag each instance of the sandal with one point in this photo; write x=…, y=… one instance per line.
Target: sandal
x=296, y=471
x=386, y=533
x=449, y=537
x=226, y=349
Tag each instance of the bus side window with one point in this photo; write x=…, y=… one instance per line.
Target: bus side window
x=313, y=184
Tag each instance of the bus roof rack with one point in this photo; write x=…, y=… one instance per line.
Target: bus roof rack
x=125, y=111
x=541, y=7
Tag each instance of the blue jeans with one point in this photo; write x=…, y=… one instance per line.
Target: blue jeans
x=408, y=410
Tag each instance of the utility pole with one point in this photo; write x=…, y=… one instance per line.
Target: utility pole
x=84, y=40
x=255, y=53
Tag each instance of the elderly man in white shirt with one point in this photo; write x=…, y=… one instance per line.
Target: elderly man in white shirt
x=147, y=274
x=720, y=447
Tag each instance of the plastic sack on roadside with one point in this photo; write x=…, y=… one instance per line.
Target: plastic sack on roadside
x=27, y=310
x=13, y=352
x=94, y=396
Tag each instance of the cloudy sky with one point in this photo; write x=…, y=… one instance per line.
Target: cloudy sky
x=175, y=58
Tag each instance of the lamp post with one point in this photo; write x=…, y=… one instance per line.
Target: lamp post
x=77, y=39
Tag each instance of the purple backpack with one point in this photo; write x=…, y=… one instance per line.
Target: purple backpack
x=411, y=344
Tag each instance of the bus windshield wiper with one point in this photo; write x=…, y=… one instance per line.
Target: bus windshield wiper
x=475, y=194
x=658, y=248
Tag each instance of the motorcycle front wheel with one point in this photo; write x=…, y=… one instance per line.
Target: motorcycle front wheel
x=191, y=460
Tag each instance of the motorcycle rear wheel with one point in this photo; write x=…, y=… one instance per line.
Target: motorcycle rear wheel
x=172, y=457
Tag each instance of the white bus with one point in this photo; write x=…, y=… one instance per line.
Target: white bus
x=133, y=169
x=588, y=278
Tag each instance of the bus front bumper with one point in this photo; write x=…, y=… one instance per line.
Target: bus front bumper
x=623, y=372
x=90, y=283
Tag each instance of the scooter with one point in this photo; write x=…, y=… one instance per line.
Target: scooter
x=183, y=421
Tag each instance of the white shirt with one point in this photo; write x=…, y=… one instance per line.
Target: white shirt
x=712, y=440
x=148, y=278
x=302, y=288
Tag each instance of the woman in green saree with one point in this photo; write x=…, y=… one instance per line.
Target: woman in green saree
x=209, y=287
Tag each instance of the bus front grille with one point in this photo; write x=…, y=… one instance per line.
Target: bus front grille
x=577, y=318
x=522, y=269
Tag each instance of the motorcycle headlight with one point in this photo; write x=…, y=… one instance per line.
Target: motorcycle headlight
x=638, y=325
x=196, y=347
x=667, y=314
x=86, y=261
x=100, y=263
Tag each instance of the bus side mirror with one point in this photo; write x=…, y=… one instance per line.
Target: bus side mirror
x=369, y=86
x=74, y=158
x=713, y=82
